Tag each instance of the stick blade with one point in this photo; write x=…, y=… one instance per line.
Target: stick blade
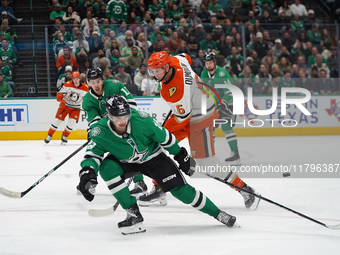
x=11, y=194
x=101, y=212
x=335, y=227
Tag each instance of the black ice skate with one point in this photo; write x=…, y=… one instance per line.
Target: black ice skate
x=155, y=197
x=63, y=140
x=250, y=201
x=234, y=159
x=48, y=139
x=139, y=189
x=227, y=219
x=133, y=224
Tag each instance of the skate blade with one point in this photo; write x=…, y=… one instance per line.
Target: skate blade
x=155, y=202
x=234, y=163
x=236, y=225
x=135, y=229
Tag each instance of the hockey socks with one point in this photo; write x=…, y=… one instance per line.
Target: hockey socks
x=120, y=191
x=189, y=195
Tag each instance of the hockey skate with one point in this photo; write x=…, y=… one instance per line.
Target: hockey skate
x=63, y=140
x=234, y=159
x=155, y=197
x=250, y=201
x=92, y=189
x=133, y=224
x=48, y=139
x=227, y=219
x=139, y=189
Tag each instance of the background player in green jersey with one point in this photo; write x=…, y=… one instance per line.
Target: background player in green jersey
x=134, y=141
x=211, y=75
x=94, y=107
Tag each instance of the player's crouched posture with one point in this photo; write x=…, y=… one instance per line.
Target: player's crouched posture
x=134, y=140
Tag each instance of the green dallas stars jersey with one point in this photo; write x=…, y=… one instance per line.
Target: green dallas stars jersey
x=144, y=141
x=221, y=77
x=116, y=10
x=94, y=106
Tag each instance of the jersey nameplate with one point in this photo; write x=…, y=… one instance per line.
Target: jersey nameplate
x=172, y=91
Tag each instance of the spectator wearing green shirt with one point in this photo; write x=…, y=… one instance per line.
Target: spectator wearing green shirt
x=286, y=80
x=208, y=44
x=116, y=11
x=314, y=35
x=97, y=4
x=213, y=7
x=6, y=72
x=312, y=58
x=153, y=36
x=106, y=24
x=7, y=54
x=67, y=36
x=57, y=13
x=5, y=89
x=127, y=50
x=297, y=24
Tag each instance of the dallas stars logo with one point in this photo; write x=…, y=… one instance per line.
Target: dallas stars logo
x=136, y=157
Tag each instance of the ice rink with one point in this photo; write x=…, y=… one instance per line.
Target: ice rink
x=52, y=219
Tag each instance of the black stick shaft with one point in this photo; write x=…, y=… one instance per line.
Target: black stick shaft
x=269, y=201
x=54, y=169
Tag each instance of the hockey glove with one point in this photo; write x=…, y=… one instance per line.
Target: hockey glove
x=88, y=179
x=225, y=111
x=186, y=163
x=62, y=104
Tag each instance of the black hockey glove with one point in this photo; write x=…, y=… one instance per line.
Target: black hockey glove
x=225, y=111
x=186, y=163
x=88, y=179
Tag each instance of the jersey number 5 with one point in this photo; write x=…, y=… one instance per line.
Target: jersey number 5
x=180, y=109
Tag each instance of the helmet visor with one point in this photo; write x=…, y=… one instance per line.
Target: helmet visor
x=156, y=72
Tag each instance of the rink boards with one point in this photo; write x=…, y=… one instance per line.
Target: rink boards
x=30, y=119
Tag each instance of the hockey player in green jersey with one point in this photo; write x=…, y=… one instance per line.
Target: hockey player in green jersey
x=134, y=141
x=211, y=75
x=94, y=107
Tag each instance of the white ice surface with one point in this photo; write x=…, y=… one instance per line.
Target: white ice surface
x=52, y=219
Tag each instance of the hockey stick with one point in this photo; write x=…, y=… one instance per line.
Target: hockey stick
x=111, y=210
x=335, y=227
x=13, y=194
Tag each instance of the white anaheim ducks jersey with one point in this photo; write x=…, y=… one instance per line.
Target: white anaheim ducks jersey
x=184, y=94
x=72, y=95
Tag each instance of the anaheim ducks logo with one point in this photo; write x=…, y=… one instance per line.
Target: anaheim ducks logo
x=172, y=91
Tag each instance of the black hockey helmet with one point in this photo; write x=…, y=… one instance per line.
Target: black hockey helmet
x=116, y=105
x=94, y=73
x=210, y=56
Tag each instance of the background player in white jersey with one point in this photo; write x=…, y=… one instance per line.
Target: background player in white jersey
x=181, y=89
x=71, y=98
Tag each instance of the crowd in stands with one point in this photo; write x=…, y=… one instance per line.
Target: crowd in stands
x=9, y=55
x=284, y=43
